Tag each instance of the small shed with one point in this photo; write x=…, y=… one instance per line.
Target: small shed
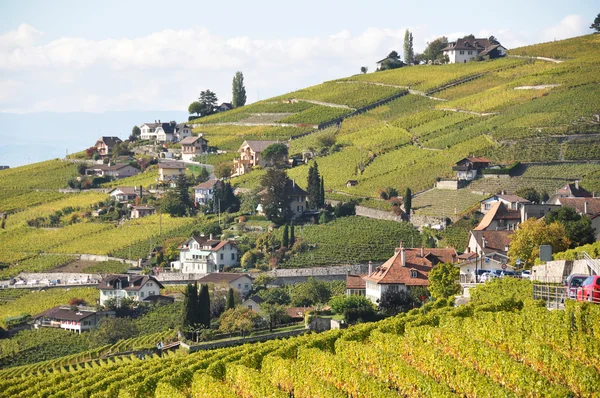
x=351, y=183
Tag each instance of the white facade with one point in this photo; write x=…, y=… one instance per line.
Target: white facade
x=461, y=56
x=150, y=288
x=203, y=195
x=243, y=285
x=205, y=257
x=374, y=291
x=466, y=175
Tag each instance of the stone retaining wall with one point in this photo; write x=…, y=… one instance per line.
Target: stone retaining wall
x=230, y=343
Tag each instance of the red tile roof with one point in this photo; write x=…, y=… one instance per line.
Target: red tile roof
x=579, y=204
x=499, y=211
x=421, y=260
x=355, y=281
x=495, y=241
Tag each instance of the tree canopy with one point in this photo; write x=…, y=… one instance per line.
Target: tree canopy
x=363, y=69
x=275, y=201
x=578, y=227
x=195, y=107
x=443, y=280
x=208, y=102
x=238, y=90
x=434, y=52
x=409, y=52
x=596, y=24
x=275, y=154
x=526, y=241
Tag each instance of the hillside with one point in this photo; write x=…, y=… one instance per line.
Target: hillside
x=516, y=108
x=531, y=352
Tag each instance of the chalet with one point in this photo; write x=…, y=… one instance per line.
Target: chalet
x=250, y=156
x=466, y=49
x=499, y=217
x=405, y=269
x=203, y=192
x=165, y=132
x=205, y=255
x=115, y=171
x=79, y=319
x=192, y=147
x=253, y=303
x=512, y=202
x=125, y=194
x=240, y=282
x=105, y=145
x=169, y=170
x=351, y=183
x=298, y=199
x=224, y=107
x=468, y=168
x=569, y=191
x=489, y=242
x=136, y=287
x=142, y=211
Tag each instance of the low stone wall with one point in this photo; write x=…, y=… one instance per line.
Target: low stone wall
x=419, y=220
x=230, y=343
x=95, y=257
x=447, y=184
x=177, y=277
x=378, y=214
x=62, y=276
x=292, y=276
x=556, y=271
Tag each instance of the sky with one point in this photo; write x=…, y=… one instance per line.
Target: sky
x=84, y=56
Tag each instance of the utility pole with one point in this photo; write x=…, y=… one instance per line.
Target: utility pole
x=219, y=212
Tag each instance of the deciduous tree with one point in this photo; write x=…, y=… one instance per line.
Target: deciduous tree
x=394, y=302
x=275, y=201
x=578, y=227
x=273, y=313
x=525, y=242
x=195, y=107
x=443, y=280
x=364, y=69
x=275, y=154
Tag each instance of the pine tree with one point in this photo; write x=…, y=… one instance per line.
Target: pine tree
x=183, y=190
x=292, y=234
x=408, y=201
x=190, y=306
x=204, y=306
x=314, y=186
x=230, y=303
x=208, y=101
x=238, y=90
x=285, y=240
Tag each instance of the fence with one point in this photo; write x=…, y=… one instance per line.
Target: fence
x=553, y=295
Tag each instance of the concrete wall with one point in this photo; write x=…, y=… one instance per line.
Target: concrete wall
x=229, y=343
x=447, y=184
x=334, y=273
x=556, y=271
x=94, y=257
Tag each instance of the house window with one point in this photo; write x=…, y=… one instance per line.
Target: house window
x=151, y=293
x=250, y=307
x=246, y=286
x=413, y=273
x=488, y=206
x=470, y=52
x=142, y=294
x=462, y=53
x=239, y=285
x=222, y=256
x=233, y=256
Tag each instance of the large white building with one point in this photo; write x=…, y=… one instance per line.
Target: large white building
x=165, y=132
x=466, y=49
x=136, y=287
x=205, y=255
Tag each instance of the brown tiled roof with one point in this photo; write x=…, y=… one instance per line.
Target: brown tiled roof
x=355, y=281
x=221, y=277
x=65, y=314
x=206, y=184
x=420, y=260
x=128, y=282
x=499, y=211
x=259, y=146
x=468, y=44
x=495, y=241
x=109, y=141
x=513, y=198
x=191, y=140
x=298, y=312
x=573, y=190
x=593, y=204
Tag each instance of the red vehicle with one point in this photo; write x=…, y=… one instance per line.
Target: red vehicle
x=590, y=289
x=572, y=283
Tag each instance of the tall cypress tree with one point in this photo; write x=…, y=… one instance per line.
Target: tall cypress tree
x=408, y=201
x=204, y=306
x=314, y=186
x=190, y=305
x=322, y=197
x=238, y=90
x=285, y=239
x=292, y=234
x=230, y=303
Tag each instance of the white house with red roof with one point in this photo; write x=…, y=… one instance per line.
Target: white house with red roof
x=205, y=255
x=466, y=49
x=135, y=287
x=406, y=268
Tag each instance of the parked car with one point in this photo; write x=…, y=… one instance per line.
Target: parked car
x=526, y=274
x=499, y=273
x=572, y=283
x=590, y=289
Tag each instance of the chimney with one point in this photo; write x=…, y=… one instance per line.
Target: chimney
x=128, y=277
x=158, y=120
x=370, y=267
x=293, y=183
x=484, y=243
x=210, y=237
x=585, y=207
x=403, y=256
x=422, y=251
x=576, y=184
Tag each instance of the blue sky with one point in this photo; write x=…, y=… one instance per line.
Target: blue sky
x=63, y=56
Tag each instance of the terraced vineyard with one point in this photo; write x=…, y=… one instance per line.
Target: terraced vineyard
x=527, y=352
x=445, y=203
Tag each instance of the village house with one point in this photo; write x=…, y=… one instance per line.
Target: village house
x=105, y=145
x=467, y=49
x=469, y=168
x=470, y=263
x=489, y=242
x=115, y=171
x=205, y=255
x=512, y=202
x=225, y=280
x=405, y=269
x=136, y=287
x=164, y=132
x=79, y=319
x=253, y=303
x=536, y=210
x=586, y=206
x=142, y=211
x=499, y=217
x=203, y=192
x=126, y=194
x=192, y=147
x=169, y=170
x=351, y=183
x=356, y=284
x=298, y=199
x=569, y=191
x=250, y=156
x=224, y=107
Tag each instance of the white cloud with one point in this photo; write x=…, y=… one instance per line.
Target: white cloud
x=569, y=26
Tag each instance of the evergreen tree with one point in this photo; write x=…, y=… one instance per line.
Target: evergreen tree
x=183, y=192
x=314, y=187
x=292, y=234
x=322, y=198
x=408, y=201
x=230, y=303
x=596, y=24
x=275, y=201
x=238, y=90
x=409, y=52
x=208, y=102
x=190, y=303
x=285, y=240
x=204, y=306
x=223, y=192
